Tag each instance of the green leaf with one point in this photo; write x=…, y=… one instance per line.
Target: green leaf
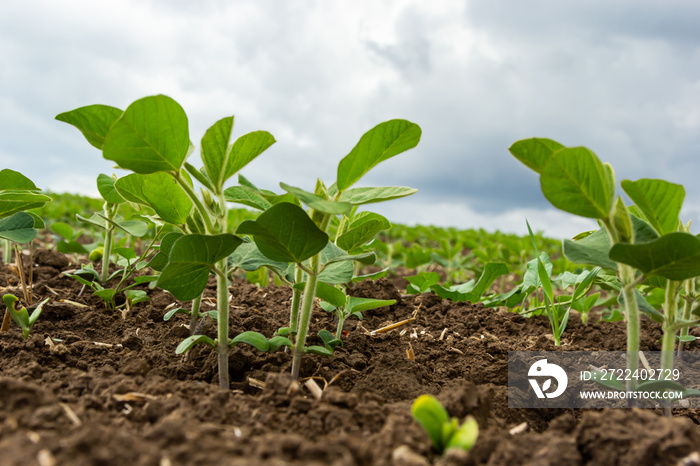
x=429, y=413
x=377, y=145
x=675, y=256
x=335, y=269
x=317, y=202
x=178, y=310
x=167, y=198
x=221, y=159
x=277, y=342
x=160, y=260
x=359, y=196
x=255, y=339
x=19, y=228
x=473, y=292
x=328, y=293
x=200, y=176
x=12, y=202
x=535, y=152
x=371, y=276
x=362, y=230
x=191, y=259
x=189, y=342
x=105, y=185
x=285, y=233
x=249, y=258
x=38, y=221
x=62, y=229
x=422, y=282
x=135, y=228
x=246, y=196
x=130, y=187
x=659, y=201
x=94, y=121
x=151, y=135
x=319, y=350
x=466, y=436
x=367, y=304
x=575, y=181
x=11, y=180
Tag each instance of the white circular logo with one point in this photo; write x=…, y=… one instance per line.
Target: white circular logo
x=542, y=368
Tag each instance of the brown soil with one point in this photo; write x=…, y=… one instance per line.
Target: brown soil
x=92, y=388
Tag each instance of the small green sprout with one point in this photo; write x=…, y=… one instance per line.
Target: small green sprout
x=445, y=432
x=21, y=316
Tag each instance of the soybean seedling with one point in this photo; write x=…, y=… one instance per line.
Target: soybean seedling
x=151, y=138
x=643, y=242
x=287, y=233
x=444, y=432
x=21, y=316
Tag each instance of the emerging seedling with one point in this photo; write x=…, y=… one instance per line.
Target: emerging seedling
x=21, y=316
x=445, y=432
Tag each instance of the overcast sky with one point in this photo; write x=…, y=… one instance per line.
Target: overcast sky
x=621, y=77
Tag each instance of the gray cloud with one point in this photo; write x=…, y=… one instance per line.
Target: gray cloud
x=621, y=78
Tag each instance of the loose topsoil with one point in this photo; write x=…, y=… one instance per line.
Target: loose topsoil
x=94, y=387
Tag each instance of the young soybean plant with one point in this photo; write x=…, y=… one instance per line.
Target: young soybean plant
x=285, y=233
x=445, y=432
x=642, y=243
x=151, y=138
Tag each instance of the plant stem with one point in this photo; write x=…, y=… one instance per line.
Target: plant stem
x=687, y=312
x=632, y=317
x=204, y=213
x=222, y=310
x=110, y=211
x=668, y=342
x=194, y=313
x=6, y=251
x=305, y=317
x=296, y=301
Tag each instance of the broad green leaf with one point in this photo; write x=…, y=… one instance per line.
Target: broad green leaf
x=429, y=413
x=189, y=342
x=12, y=202
x=359, y=196
x=277, y=342
x=659, y=201
x=135, y=228
x=362, y=231
x=422, y=282
x=473, y=292
x=19, y=228
x=191, y=259
x=318, y=350
x=246, y=196
x=575, y=181
x=535, y=152
x=12, y=180
x=317, y=202
x=285, y=233
x=248, y=257
x=335, y=269
x=328, y=293
x=367, y=304
x=221, y=159
x=466, y=436
x=38, y=221
x=151, y=135
x=130, y=187
x=105, y=185
x=62, y=229
x=160, y=260
x=167, y=198
x=675, y=256
x=377, y=145
x=94, y=121
x=255, y=339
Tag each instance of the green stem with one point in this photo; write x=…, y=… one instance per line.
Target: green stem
x=110, y=212
x=194, y=313
x=668, y=342
x=687, y=312
x=632, y=317
x=6, y=251
x=197, y=203
x=296, y=301
x=341, y=323
x=222, y=308
x=305, y=317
